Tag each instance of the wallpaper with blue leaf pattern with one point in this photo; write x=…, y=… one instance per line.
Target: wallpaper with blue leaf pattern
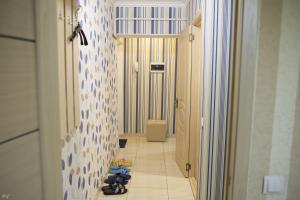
x=86, y=154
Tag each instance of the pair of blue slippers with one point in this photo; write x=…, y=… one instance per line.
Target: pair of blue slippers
x=119, y=170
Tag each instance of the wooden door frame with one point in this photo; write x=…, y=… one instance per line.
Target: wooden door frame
x=49, y=64
x=242, y=87
x=234, y=99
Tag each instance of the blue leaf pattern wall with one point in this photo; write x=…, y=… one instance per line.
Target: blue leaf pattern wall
x=87, y=152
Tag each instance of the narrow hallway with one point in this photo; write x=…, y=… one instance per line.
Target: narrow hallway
x=155, y=174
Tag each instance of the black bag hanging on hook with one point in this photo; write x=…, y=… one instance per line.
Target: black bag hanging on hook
x=78, y=30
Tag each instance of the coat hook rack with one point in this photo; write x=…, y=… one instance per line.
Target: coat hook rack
x=78, y=31
x=74, y=19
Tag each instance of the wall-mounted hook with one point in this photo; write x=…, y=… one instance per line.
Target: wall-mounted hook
x=78, y=10
x=78, y=30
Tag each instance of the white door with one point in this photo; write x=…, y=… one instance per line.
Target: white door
x=188, y=98
x=182, y=100
x=195, y=117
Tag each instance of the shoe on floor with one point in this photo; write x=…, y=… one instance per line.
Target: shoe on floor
x=119, y=170
x=118, y=190
x=121, y=162
x=116, y=179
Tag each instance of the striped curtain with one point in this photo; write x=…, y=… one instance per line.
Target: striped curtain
x=149, y=95
x=217, y=23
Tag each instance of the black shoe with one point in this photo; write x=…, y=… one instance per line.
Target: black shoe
x=118, y=190
x=116, y=179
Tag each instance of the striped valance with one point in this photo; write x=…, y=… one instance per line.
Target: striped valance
x=149, y=20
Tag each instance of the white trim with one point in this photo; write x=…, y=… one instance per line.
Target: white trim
x=149, y=4
x=149, y=19
x=157, y=63
x=48, y=27
x=146, y=35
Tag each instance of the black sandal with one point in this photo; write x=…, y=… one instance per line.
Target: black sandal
x=116, y=179
x=119, y=190
x=125, y=176
x=106, y=187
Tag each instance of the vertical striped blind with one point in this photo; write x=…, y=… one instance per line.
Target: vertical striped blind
x=149, y=95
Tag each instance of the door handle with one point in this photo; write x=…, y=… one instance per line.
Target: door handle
x=176, y=103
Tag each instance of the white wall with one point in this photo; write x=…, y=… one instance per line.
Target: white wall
x=275, y=111
x=294, y=175
x=120, y=83
x=286, y=92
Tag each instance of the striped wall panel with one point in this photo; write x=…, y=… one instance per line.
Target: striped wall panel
x=149, y=95
x=149, y=20
x=217, y=39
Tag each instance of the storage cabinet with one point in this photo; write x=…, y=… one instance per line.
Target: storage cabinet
x=20, y=174
x=37, y=88
x=20, y=159
x=18, y=95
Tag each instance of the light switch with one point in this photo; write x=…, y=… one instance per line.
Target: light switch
x=273, y=184
x=136, y=67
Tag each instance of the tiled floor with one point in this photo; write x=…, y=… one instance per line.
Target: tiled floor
x=155, y=174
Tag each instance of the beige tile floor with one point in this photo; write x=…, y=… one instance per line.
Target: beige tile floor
x=155, y=174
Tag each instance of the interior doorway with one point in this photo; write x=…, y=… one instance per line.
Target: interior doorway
x=153, y=76
x=171, y=93
x=149, y=67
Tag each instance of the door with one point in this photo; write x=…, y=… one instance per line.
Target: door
x=183, y=101
x=196, y=110
x=188, y=103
